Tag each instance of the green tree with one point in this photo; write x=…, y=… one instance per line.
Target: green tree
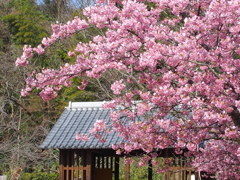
x=25, y=122
x=26, y=23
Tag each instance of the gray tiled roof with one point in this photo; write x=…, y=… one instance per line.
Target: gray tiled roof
x=79, y=117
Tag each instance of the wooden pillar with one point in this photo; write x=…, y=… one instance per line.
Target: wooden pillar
x=83, y=163
x=70, y=162
x=116, y=168
x=197, y=175
x=66, y=162
x=89, y=165
x=150, y=172
x=167, y=175
x=184, y=174
x=127, y=171
x=62, y=154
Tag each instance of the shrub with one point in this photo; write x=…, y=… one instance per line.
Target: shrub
x=39, y=176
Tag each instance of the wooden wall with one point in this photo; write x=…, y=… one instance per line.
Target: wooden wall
x=87, y=165
x=103, y=165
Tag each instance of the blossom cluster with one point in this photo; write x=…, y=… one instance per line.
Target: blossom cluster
x=99, y=125
x=181, y=60
x=117, y=87
x=82, y=137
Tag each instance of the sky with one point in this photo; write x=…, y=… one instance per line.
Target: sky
x=74, y=3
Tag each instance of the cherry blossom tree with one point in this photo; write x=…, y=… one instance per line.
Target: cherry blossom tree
x=179, y=67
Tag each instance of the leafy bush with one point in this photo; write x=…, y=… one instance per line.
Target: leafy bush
x=39, y=176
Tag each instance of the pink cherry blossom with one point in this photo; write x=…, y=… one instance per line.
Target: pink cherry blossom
x=39, y=49
x=48, y=93
x=82, y=137
x=99, y=125
x=21, y=62
x=183, y=70
x=117, y=87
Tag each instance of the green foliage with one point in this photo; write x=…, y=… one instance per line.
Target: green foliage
x=166, y=14
x=235, y=55
x=1, y=44
x=150, y=5
x=52, y=59
x=62, y=54
x=26, y=24
x=87, y=35
x=74, y=94
x=140, y=173
x=39, y=176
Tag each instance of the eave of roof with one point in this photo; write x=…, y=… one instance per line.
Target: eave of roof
x=79, y=117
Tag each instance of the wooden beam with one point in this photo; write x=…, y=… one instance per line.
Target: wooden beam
x=89, y=165
x=61, y=177
x=61, y=163
x=185, y=174
x=83, y=163
x=127, y=171
x=167, y=175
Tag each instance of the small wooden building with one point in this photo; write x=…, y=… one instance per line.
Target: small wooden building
x=92, y=160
